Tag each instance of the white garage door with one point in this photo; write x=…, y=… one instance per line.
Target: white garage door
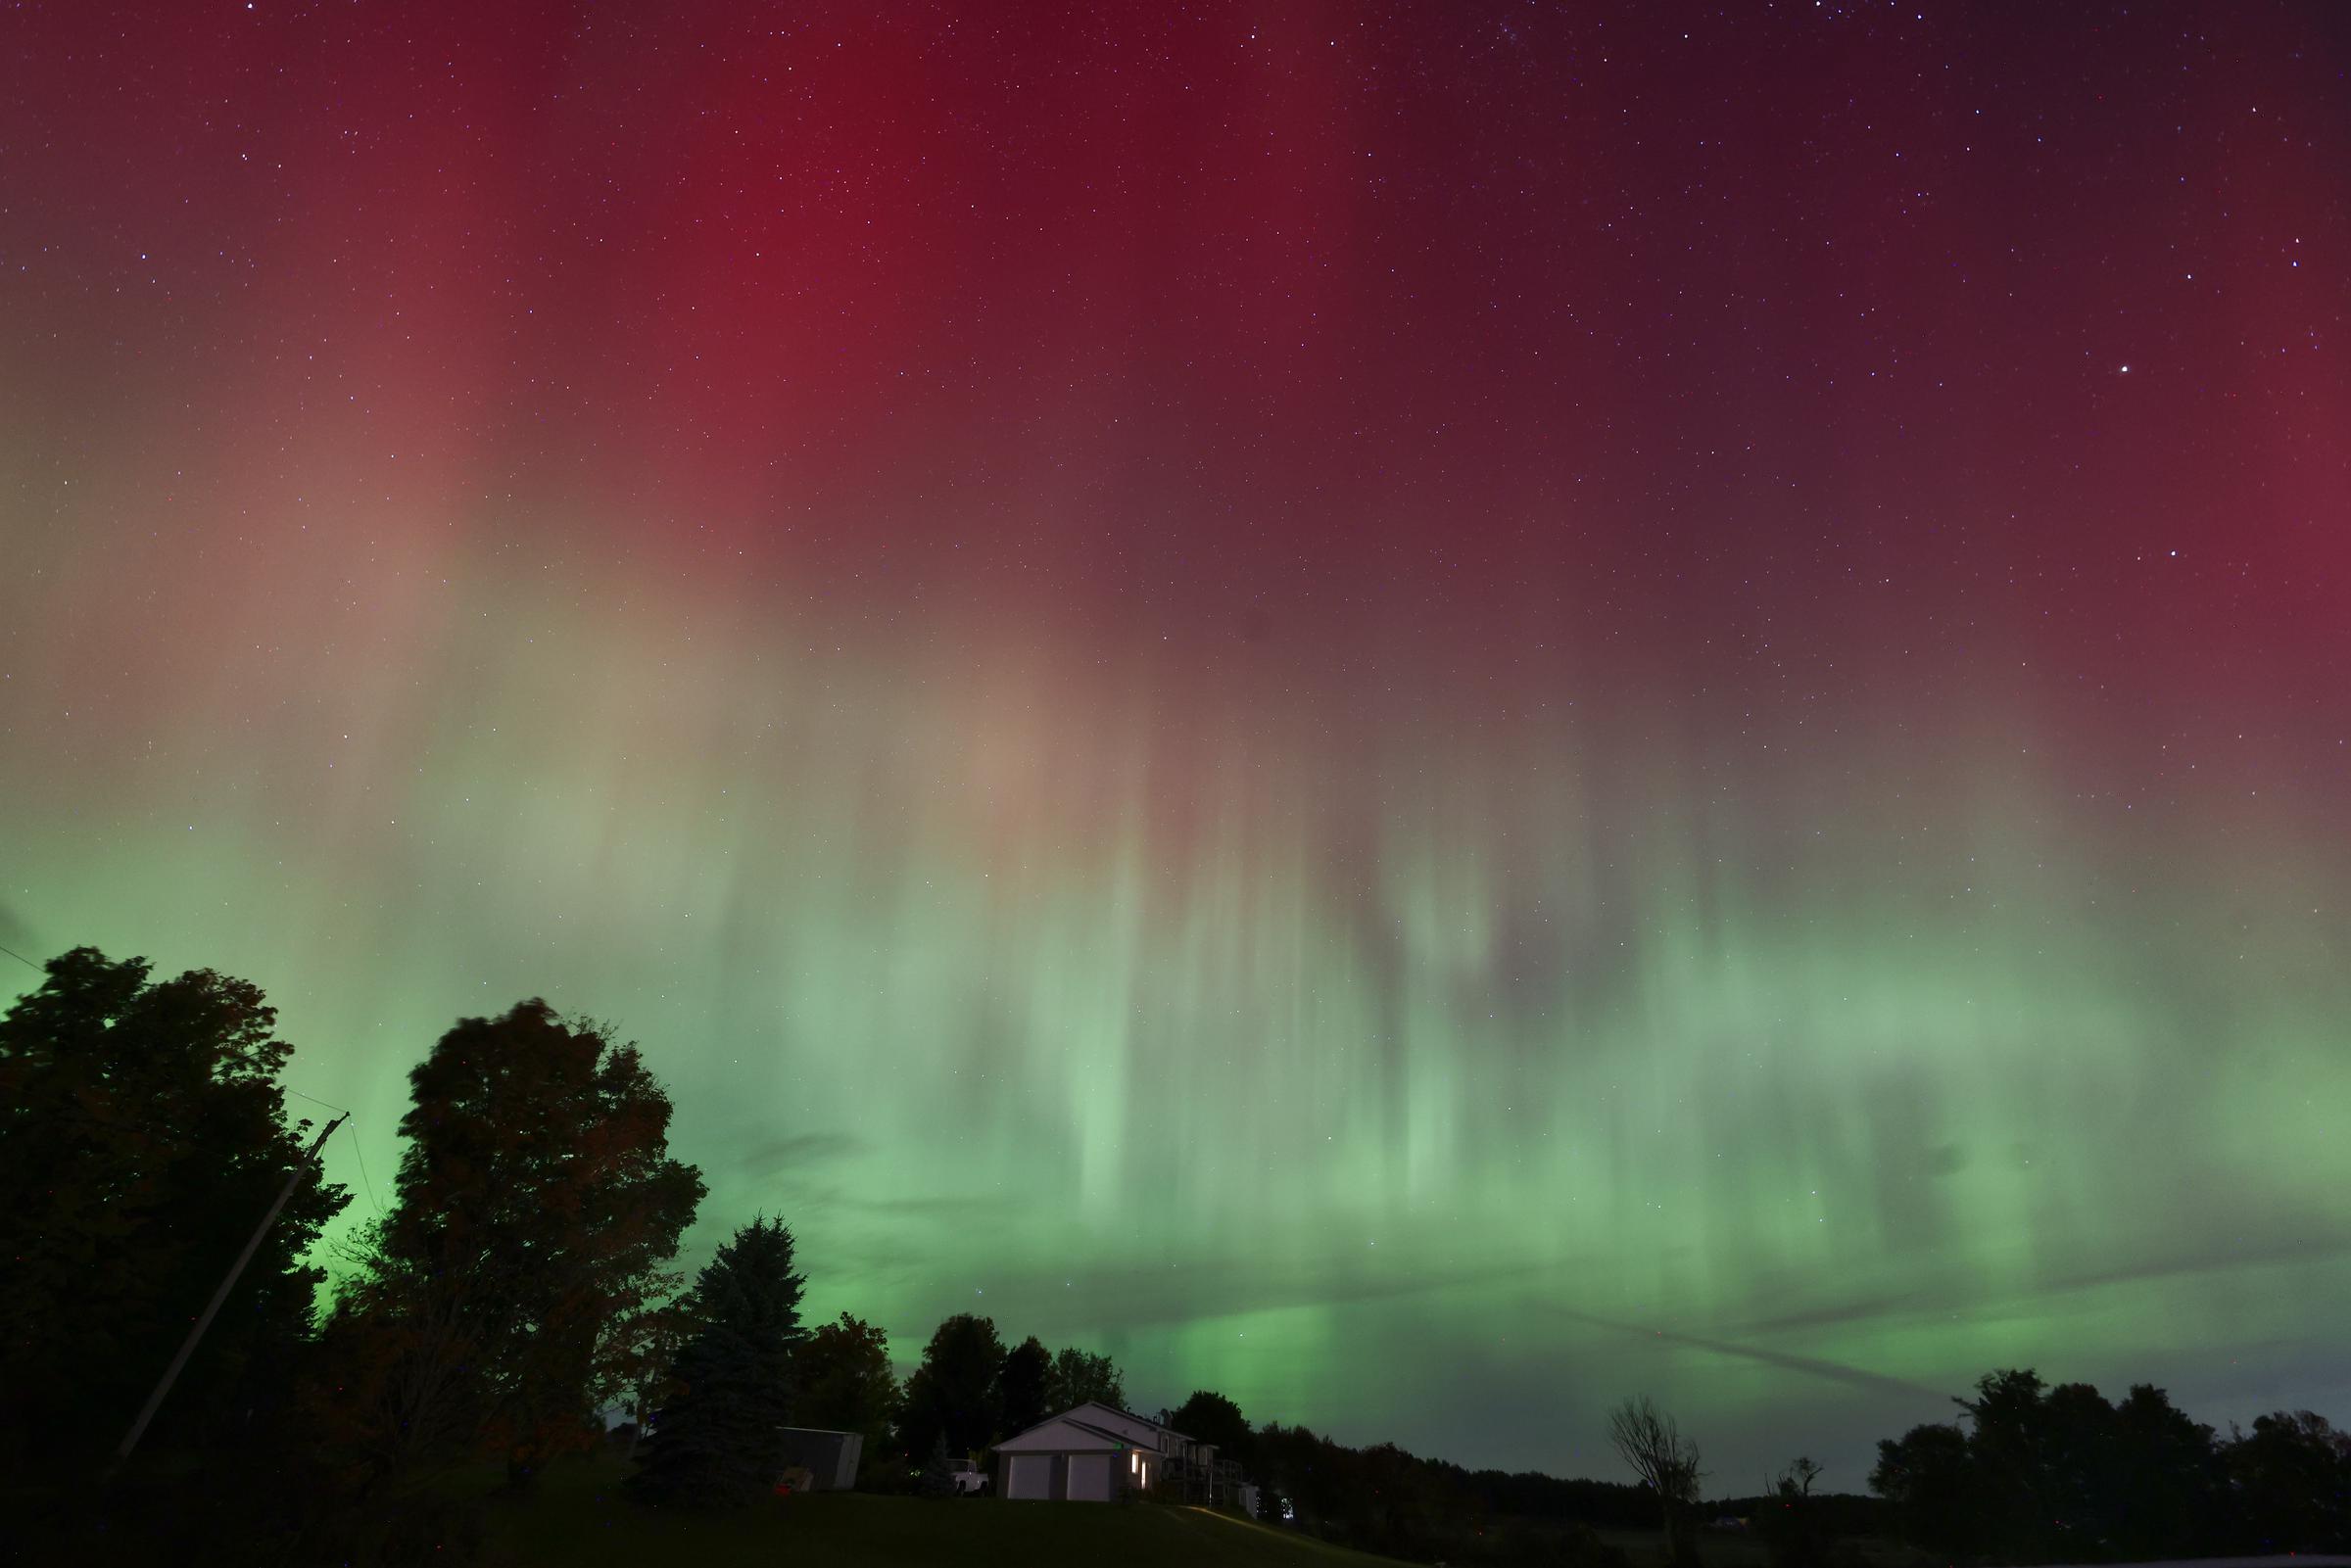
x=1089, y=1477
x=1031, y=1476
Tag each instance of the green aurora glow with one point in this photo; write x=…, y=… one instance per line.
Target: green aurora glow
x=1399, y=1100
x=1426, y=725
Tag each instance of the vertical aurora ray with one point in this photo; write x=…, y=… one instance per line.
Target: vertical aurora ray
x=1424, y=871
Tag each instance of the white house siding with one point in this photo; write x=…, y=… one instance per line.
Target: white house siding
x=1089, y=1477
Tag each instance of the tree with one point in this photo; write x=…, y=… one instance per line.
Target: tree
x=1929, y=1478
x=951, y=1397
x=1800, y=1475
x=645, y=1346
x=2293, y=1478
x=1024, y=1387
x=1078, y=1377
x=1789, y=1522
x=844, y=1382
x=2171, y=1484
x=1650, y=1442
x=143, y=1134
x=2011, y=1446
x=719, y=1440
x=1211, y=1418
x=938, y=1479
x=535, y=1212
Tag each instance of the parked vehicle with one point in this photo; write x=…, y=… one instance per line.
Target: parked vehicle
x=969, y=1479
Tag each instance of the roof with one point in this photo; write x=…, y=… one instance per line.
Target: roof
x=1063, y=1435
x=1127, y=1416
x=1089, y=1428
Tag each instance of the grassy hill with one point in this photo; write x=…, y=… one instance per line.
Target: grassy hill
x=579, y=1519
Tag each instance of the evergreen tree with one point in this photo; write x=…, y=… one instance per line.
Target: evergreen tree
x=719, y=1442
x=938, y=1479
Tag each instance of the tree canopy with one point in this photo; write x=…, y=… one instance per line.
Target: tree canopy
x=1079, y=1375
x=952, y=1394
x=1024, y=1387
x=2035, y=1473
x=143, y=1133
x=1211, y=1418
x=842, y=1381
x=718, y=1443
x=535, y=1216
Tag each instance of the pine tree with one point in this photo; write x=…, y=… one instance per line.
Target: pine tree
x=718, y=1443
x=938, y=1471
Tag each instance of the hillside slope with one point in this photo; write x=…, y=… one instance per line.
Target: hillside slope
x=579, y=1519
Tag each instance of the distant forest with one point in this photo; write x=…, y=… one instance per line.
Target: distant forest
x=522, y=1280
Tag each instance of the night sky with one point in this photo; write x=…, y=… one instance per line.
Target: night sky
x=1430, y=714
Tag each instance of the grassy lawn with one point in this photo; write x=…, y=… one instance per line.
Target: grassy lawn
x=1718, y=1548
x=579, y=1519
x=1647, y=1548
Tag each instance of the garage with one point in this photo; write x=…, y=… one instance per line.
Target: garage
x=1030, y=1476
x=1089, y=1477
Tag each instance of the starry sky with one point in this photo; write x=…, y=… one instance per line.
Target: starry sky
x=1429, y=713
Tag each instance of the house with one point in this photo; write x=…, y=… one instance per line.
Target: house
x=1090, y=1453
x=1095, y=1452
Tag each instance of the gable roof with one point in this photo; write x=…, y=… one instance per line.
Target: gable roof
x=1065, y=1435
x=1119, y=1415
x=1089, y=1428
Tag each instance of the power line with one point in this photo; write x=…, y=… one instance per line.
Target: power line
x=359, y=1150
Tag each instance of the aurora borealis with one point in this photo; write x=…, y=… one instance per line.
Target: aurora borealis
x=1428, y=714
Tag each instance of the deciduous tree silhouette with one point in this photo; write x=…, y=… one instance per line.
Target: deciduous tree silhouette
x=2038, y=1474
x=1650, y=1442
x=951, y=1397
x=1024, y=1387
x=1789, y=1523
x=1079, y=1376
x=842, y=1382
x=719, y=1440
x=143, y=1132
x=1210, y=1417
x=2292, y=1473
x=1928, y=1476
x=536, y=1213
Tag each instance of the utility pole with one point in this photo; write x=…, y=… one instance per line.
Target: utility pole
x=188, y=1347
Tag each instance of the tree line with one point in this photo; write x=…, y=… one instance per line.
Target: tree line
x=522, y=1278
x=2026, y=1473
